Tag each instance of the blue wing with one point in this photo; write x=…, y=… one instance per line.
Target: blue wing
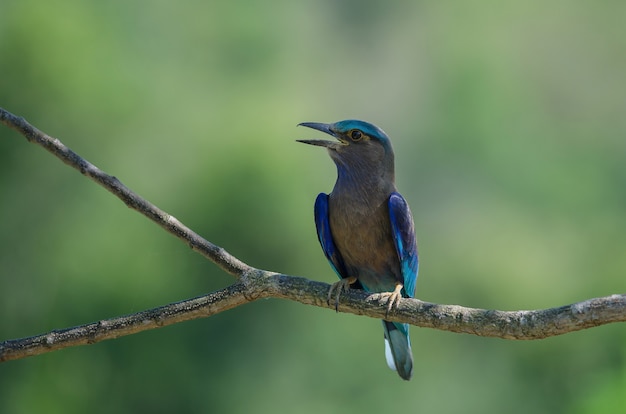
x=403, y=232
x=322, y=223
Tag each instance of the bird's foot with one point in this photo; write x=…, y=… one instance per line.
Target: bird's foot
x=342, y=286
x=393, y=297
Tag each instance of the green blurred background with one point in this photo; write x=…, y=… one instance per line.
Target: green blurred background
x=509, y=124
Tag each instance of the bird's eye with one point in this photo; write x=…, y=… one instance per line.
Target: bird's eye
x=356, y=135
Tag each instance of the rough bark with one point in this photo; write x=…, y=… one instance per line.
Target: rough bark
x=252, y=284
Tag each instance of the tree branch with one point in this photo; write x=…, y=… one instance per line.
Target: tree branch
x=216, y=254
x=254, y=284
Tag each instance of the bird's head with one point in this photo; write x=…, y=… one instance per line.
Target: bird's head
x=356, y=143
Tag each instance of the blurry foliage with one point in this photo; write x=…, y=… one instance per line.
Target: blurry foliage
x=508, y=123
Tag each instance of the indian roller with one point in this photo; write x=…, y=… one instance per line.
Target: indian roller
x=365, y=226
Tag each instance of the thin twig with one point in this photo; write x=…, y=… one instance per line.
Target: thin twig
x=254, y=283
x=92, y=333
x=216, y=254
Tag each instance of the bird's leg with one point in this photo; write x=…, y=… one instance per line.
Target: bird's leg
x=393, y=297
x=341, y=286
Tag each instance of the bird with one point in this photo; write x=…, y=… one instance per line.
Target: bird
x=365, y=227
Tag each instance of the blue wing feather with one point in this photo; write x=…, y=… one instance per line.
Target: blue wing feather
x=322, y=223
x=403, y=232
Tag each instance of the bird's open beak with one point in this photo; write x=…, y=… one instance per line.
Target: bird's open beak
x=322, y=143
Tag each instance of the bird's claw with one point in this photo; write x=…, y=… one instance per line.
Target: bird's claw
x=342, y=286
x=393, y=298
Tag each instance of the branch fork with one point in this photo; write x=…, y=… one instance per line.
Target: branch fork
x=253, y=284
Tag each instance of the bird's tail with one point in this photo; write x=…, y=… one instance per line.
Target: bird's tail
x=398, y=348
